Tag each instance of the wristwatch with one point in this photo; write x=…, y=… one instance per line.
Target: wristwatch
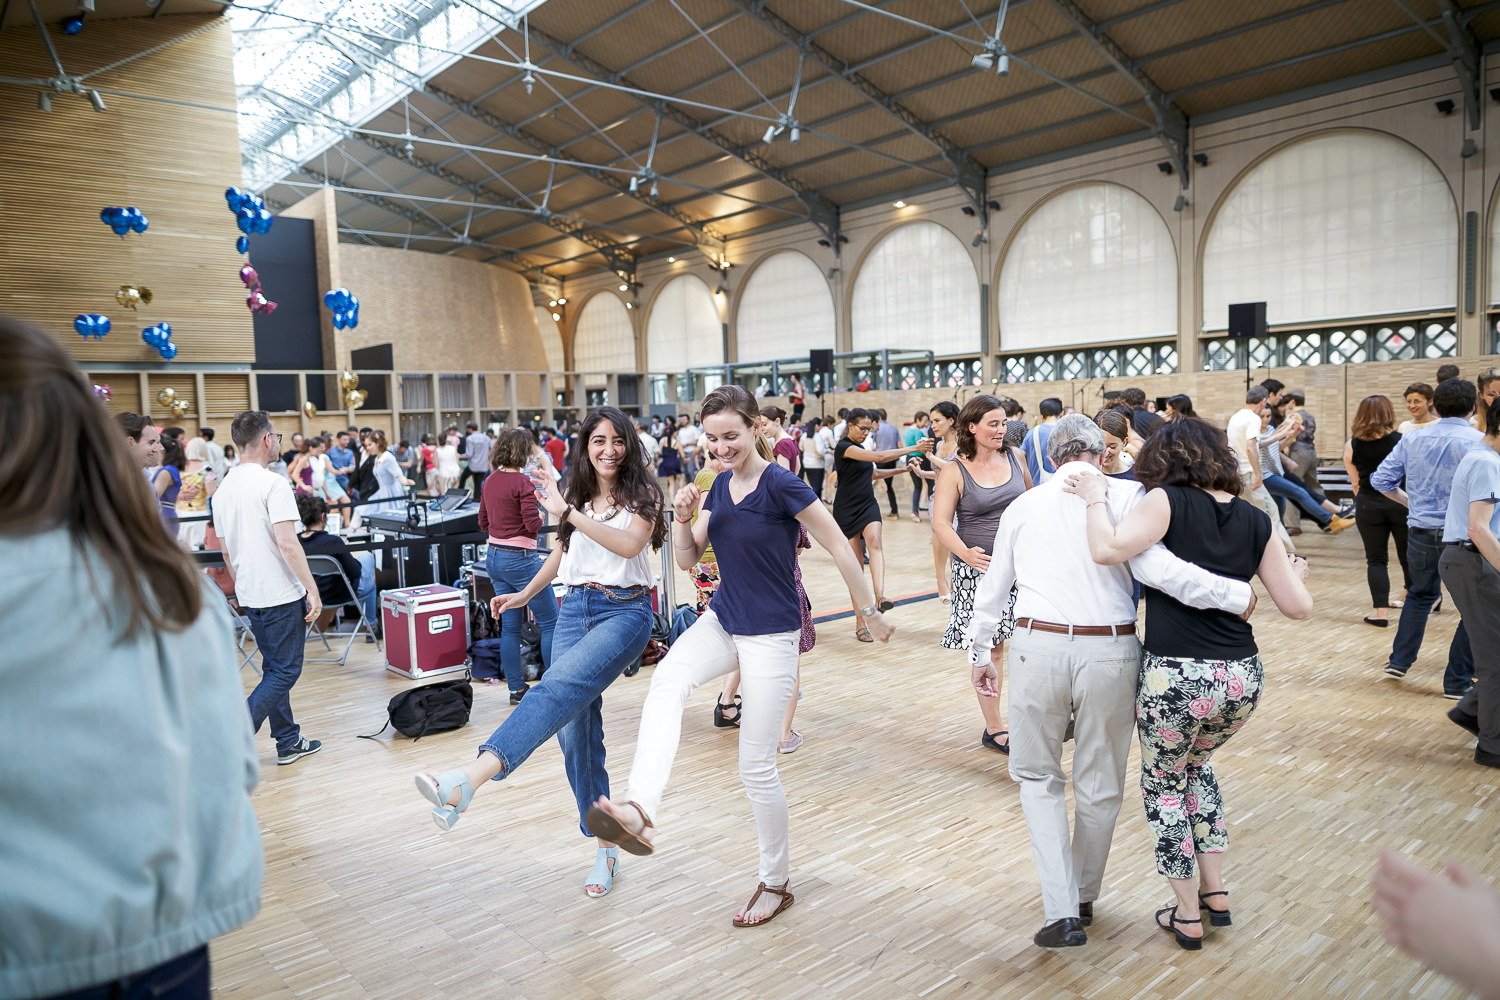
x=869, y=612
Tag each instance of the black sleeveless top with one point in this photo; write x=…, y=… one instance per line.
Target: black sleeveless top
x=1224, y=538
x=1367, y=456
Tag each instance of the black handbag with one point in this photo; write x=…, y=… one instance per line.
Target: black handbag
x=431, y=708
x=532, y=666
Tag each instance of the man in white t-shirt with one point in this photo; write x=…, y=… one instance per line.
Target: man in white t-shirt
x=648, y=444
x=1244, y=441
x=255, y=515
x=216, y=458
x=687, y=444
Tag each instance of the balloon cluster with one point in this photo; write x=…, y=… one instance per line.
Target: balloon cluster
x=91, y=325
x=354, y=396
x=131, y=296
x=103, y=391
x=250, y=215
x=168, y=398
x=256, y=300
x=345, y=308
x=123, y=220
x=159, y=339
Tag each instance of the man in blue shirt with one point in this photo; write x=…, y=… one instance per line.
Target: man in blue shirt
x=1470, y=567
x=342, y=458
x=886, y=437
x=1428, y=461
x=1035, y=444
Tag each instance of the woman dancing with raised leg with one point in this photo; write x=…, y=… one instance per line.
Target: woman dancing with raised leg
x=609, y=516
x=753, y=626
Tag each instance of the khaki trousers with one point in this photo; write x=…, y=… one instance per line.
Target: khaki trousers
x=1094, y=677
x=1262, y=498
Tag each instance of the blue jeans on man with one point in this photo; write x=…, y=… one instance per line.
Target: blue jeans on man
x=364, y=588
x=510, y=571
x=1283, y=488
x=1424, y=547
x=598, y=635
x=281, y=636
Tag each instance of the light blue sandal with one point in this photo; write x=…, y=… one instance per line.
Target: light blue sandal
x=601, y=875
x=438, y=789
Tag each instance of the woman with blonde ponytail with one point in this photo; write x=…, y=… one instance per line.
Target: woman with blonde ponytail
x=753, y=625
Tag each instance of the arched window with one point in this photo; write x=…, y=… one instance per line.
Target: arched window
x=551, y=339
x=1342, y=225
x=1093, y=263
x=603, y=340
x=916, y=290
x=684, y=330
x=785, y=310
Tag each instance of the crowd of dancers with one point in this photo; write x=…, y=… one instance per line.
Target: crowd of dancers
x=1053, y=533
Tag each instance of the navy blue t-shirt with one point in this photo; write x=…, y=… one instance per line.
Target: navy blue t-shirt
x=756, y=545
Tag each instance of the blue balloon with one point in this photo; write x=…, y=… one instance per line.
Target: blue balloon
x=107, y=215
x=168, y=350
x=329, y=297
x=245, y=220
x=263, y=221
x=139, y=223
x=338, y=320
x=165, y=328
x=149, y=336
x=72, y=25
x=351, y=318
x=242, y=244
x=121, y=228
x=84, y=325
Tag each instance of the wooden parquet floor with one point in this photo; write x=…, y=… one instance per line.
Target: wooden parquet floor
x=911, y=864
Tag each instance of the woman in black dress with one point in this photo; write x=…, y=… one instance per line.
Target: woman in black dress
x=854, y=506
x=1377, y=516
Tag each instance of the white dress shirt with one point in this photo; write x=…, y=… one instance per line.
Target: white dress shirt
x=1042, y=548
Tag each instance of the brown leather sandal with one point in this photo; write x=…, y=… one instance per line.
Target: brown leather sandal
x=604, y=825
x=787, y=899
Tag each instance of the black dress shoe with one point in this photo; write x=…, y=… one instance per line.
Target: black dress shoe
x=1064, y=933
x=1487, y=759
x=1086, y=913
x=989, y=742
x=1464, y=720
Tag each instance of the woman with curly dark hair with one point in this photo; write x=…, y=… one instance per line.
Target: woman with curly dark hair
x=1201, y=676
x=609, y=515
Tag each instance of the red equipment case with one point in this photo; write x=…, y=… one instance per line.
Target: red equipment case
x=426, y=630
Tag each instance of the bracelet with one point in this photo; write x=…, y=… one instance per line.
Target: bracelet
x=562, y=518
x=1087, y=506
x=869, y=612
x=680, y=520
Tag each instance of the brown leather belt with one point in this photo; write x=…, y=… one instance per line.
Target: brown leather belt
x=1031, y=624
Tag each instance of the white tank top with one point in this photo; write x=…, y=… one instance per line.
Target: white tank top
x=586, y=561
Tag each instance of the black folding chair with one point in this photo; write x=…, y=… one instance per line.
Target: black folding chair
x=321, y=565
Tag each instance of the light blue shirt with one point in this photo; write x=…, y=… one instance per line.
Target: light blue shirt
x=1035, y=448
x=342, y=458
x=1477, y=480
x=128, y=833
x=1428, y=461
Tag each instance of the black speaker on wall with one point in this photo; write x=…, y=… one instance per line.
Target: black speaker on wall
x=1247, y=319
x=820, y=362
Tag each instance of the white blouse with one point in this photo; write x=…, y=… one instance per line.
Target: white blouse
x=586, y=561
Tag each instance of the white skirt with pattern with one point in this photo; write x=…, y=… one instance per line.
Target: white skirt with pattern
x=965, y=584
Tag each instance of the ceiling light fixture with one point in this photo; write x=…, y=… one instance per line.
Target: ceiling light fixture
x=671, y=260
x=635, y=184
x=1495, y=93
x=796, y=135
x=992, y=205
x=899, y=204
x=821, y=243
x=770, y=135
x=556, y=316
x=969, y=211
x=562, y=302
x=1165, y=166
x=44, y=103
x=1201, y=159
x=97, y=101
x=1180, y=203
x=1445, y=107
x=552, y=304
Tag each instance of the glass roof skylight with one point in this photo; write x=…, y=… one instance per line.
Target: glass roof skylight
x=306, y=71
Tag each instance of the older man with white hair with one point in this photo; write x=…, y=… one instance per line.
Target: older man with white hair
x=1075, y=652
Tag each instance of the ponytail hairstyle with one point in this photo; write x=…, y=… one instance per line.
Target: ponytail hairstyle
x=733, y=398
x=635, y=484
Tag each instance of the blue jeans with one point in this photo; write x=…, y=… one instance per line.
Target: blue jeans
x=364, y=587
x=510, y=571
x=1284, y=489
x=185, y=977
x=598, y=635
x=281, y=635
x=1423, y=549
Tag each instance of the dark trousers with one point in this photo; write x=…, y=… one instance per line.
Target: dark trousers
x=281, y=636
x=1379, y=519
x=1424, y=546
x=916, y=491
x=463, y=477
x=1475, y=586
x=815, y=480
x=182, y=978
x=890, y=485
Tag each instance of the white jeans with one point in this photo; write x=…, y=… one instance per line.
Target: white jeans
x=1095, y=677
x=768, y=678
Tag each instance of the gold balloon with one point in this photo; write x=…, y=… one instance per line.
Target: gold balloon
x=131, y=296
x=179, y=407
x=166, y=396
x=355, y=398
x=309, y=409
x=349, y=381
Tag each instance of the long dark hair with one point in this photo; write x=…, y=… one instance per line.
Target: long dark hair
x=1182, y=406
x=973, y=412
x=66, y=465
x=635, y=486
x=1188, y=451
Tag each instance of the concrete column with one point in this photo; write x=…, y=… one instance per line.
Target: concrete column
x=474, y=407
x=672, y=389
x=437, y=406
x=202, y=404
x=302, y=402
x=144, y=381
x=393, y=387
x=512, y=414
x=549, y=397
x=612, y=390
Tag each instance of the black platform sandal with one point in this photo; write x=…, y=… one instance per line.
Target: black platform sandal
x=1183, y=941
x=720, y=708
x=1218, y=918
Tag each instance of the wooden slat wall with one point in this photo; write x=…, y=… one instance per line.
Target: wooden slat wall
x=172, y=161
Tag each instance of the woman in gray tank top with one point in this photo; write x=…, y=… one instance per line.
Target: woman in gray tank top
x=972, y=492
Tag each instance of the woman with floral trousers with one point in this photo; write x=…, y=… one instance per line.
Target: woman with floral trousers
x=1185, y=710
